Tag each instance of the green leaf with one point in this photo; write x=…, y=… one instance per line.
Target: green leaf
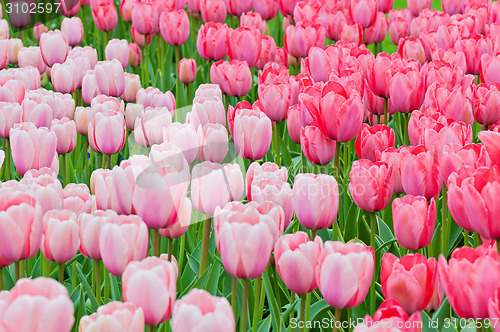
x=276, y=321
x=88, y=290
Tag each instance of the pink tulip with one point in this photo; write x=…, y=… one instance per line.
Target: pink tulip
x=38, y=29
x=151, y=286
x=174, y=27
x=296, y=259
x=267, y=52
x=414, y=221
x=378, y=31
x=490, y=140
x=31, y=56
x=268, y=187
x=233, y=77
x=275, y=99
x=54, y=47
x=211, y=41
x=371, y=184
x=385, y=6
x=411, y=48
x=110, y=78
x=213, y=11
x=155, y=98
x=186, y=72
x=122, y=239
x=64, y=76
x=21, y=234
x=200, y=310
x=391, y=317
x=134, y=55
x=32, y=148
x=90, y=226
x=244, y=139
x=438, y=291
x=104, y=14
x=44, y=300
x=132, y=86
x=89, y=87
x=77, y=198
x=181, y=225
x=316, y=200
x=65, y=131
x=37, y=112
x=213, y=142
x=482, y=280
x=270, y=170
x=301, y=38
x=126, y=7
x=364, y=12
x=244, y=44
x=243, y=239
x=73, y=29
x=45, y=187
x=344, y=273
x=494, y=309
x=486, y=97
x=107, y=132
x=60, y=235
x=266, y=8
x=294, y=124
x=454, y=104
x=238, y=7
x=207, y=110
x=455, y=156
x=416, y=6
x=117, y=49
x=149, y=125
x=4, y=53
x=185, y=137
x=10, y=114
x=254, y=20
x=488, y=66
x=420, y=173
x=145, y=17
x=474, y=46
x=205, y=177
x=287, y=6
x=405, y=89
x=373, y=139
x=208, y=90
x=317, y=148
x=115, y=315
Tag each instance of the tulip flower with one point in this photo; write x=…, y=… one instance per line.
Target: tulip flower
x=244, y=139
x=200, y=310
x=132, y=85
x=54, y=47
x=64, y=76
x=107, y=133
x=31, y=56
x=21, y=234
x=453, y=103
x=364, y=12
x=474, y=46
x=122, y=239
x=301, y=38
x=45, y=187
x=213, y=142
x=149, y=125
x=482, y=279
x=104, y=14
x=77, y=198
x=110, y=78
x=287, y=6
x=455, y=156
x=65, y=131
x=4, y=53
x=266, y=8
x=174, y=27
x=38, y=29
x=344, y=273
x=134, y=55
x=438, y=291
x=372, y=139
x=244, y=44
x=90, y=226
x=420, y=172
x=10, y=114
x=233, y=77
x=73, y=29
x=60, y=235
x=238, y=7
x=185, y=137
x=317, y=148
x=488, y=66
x=123, y=316
x=211, y=41
x=44, y=300
x=270, y=170
x=275, y=99
x=378, y=31
x=390, y=316
x=117, y=49
x=486, y=97
x=151, y=285
x=145, y=17
x=213, y=11
x=405, y=89
x=207, y=110
x=181, y=225
x=296, y=260
x=155, y=98
x=186, y=71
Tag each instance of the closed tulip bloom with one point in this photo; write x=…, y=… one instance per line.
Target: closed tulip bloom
x=473, y=47
x=110, y=78
x=185, y=136
x=132, y=85
x=414, y=221
x=316, y=200
x=378, y=31
x=77, y=198
x=385, y=6
x=145, y=17
x=44, y=300
x=391, y=317
x=344, y=273
x=186, y=72
x=453, y=103
x=149, y=125
x=213, y=142
x=207, y=110
x=213, y=11
x=107, y=132
x=244, y=44
x=340, y=114
x=294, y=124
x=174, y=27
x=4, y=53
x=296, y=259
x=122, y=239
x=134, y=55
x=211, y=41
x=32, y=148
x=301, y=38
x=238, y=7
x=208, y=90
x=407, y=280
x=21, y=225
x=10, y=114
x=420, y=173
x=155, y=98
x=270, y=169
x=54, y=47
x=455, y=156
x=373, y=139
x=484, y=106
x=351, y=33
x=114, y=315
x=266, y=8
x=90, y=226
x=245, y=139
x=89, y=87
x=405, y=89
x=267, y=52
x=234, y=77
x=275, y=99
x=38, y=29
x=45, y=187
x=488, y=67
x=73, y=29
x=151, y=285
x=317, y=148
x=199, y=310
x=126, y=7
x=31, y=56
x=482, y=280
x=117, y=49
x=364, y=12
x=207, y=176
x=268, y=187
x=65, y=131
x=371, y=184
x=60, y=235
x=287, y=6
x=411, y=48
x=243, y=239
x=416, y=6
x=181, y=224
x=64, y=76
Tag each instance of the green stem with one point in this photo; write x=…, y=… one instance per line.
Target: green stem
x=405, y=129
x=256, y=302
x=386, y=114
x=444, y=210
x=145, y=64
x=170, y=248
x=93, y=276
x=106, y=285
x=234, y=292
x=1, y=279
x=104, y=160
x=98, y=275
x=375, y=48
x=86, y=151
x=336, y=171
x=17, y=272
x=73, y=284
x=108, y=165
x=477, y=239
x=181, y=252
x=246, y=286
x=313, y=234
x=65, y=175
x=204, y=247
x=61, y=273
x=156, y=242
x=188, y=97
x=338, y=318
x=372, y=244
x=152, y=328
x=178, y=83
x=276, y=144
x=466, y=238
x=303, y=311
x=7, y=158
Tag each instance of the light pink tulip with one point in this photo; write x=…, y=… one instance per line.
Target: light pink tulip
x=181, y=225
x=64, y=76
x=132, y=85
x=60, y=235
x=107, y=133
x=90, y=226
x=12, y=90
x=208, y=90
x=10, y=114
x=54, y=47
x=255, y=170
x=213, y=142
x=110, y=78
x=90, y=89
x=114, y=316
x=117, y=49
x=186, y=72
x=149, y=125
x=207, y=110
x=245, y=140
x=65, y=131
x=31, y=56
x=211, y=41
x=185, y=137
x=155, y=98
x=73, y=29
x=4, y=53
x=77, y=198
x=45, y=187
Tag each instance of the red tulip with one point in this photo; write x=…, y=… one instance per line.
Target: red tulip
x=317, y=148
x=373, y=139
x=482, y=280
x=391, y=316
x=211, y=41
x=344, y=273
x=174, y=27
x=296, y=260
x=301, y=38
